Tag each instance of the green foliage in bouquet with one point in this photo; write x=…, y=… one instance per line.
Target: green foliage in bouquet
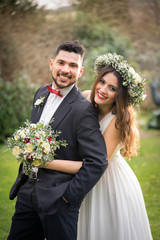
x=34, y=145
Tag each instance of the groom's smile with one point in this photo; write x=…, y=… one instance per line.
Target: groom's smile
x=66, y=68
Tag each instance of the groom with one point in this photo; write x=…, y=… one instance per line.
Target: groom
x=47, y=207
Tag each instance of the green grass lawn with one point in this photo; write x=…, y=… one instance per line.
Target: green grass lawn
x=8, y=172
x=146, y=167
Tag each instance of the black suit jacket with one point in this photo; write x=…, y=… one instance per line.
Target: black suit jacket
x=76, y=118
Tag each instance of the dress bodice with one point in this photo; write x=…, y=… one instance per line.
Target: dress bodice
x=105, y=122
x=103, y=125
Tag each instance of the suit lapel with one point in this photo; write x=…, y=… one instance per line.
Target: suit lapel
x=37, y=111
x=64, y=108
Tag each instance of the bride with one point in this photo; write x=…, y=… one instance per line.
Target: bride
x=114, y=209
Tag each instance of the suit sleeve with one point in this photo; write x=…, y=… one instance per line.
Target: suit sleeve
x=92, y=149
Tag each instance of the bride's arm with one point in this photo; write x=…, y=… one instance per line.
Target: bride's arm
x=86, y=93
x=111, y=137
x=66, y=166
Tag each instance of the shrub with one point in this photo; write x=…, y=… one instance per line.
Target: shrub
x=15, y=105
x=23, y=5
x=154, y=121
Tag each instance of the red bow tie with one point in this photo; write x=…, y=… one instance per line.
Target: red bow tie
x=54, y=91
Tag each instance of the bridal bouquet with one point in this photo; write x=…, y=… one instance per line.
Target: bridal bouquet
x=34, y=145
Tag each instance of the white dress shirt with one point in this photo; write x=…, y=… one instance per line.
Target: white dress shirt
x=53, y=103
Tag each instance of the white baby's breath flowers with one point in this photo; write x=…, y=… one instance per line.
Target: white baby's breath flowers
x=37, y=156
x=131, y=71
x=22, y=134
x=137, y=78
x=33, y=125
x=132, y=80
x=42, y=133
x=47, y=148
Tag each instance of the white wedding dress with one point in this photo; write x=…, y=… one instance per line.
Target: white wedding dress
x=114, y=209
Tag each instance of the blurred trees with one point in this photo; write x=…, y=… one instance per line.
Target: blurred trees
x=139, y=20
x=21, y=5
x=11, y=11
x=154, y=8
x=116, y=10
x=150, y=8
x=105, y=9
x=98, y=38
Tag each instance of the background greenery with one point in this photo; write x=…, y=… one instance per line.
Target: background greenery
x=15, y=105
x=30, y=35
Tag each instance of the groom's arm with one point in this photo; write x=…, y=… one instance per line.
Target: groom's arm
x=92, y=149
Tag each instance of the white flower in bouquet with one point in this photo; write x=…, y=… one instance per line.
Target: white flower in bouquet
x=33, y=125
x=34, y=145
x=16, y=151
x=22, y=134
x=16, y=137
x=46, y=147
x=28, y=148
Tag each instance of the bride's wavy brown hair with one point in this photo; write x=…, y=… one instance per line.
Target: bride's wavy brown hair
x=125, y=114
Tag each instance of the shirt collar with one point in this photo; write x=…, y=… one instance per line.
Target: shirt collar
x=64, y=91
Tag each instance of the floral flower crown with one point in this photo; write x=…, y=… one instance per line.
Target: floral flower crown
x=134, y=82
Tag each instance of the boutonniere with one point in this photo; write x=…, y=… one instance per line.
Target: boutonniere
x=39, y=102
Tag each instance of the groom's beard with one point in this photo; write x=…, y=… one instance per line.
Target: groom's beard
x=61, y=86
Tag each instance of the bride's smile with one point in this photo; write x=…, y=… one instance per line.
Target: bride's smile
x=106, y=90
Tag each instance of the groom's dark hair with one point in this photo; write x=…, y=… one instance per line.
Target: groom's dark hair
x=72, y=46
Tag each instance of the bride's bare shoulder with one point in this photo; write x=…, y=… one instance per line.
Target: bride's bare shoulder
x=86, y=93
